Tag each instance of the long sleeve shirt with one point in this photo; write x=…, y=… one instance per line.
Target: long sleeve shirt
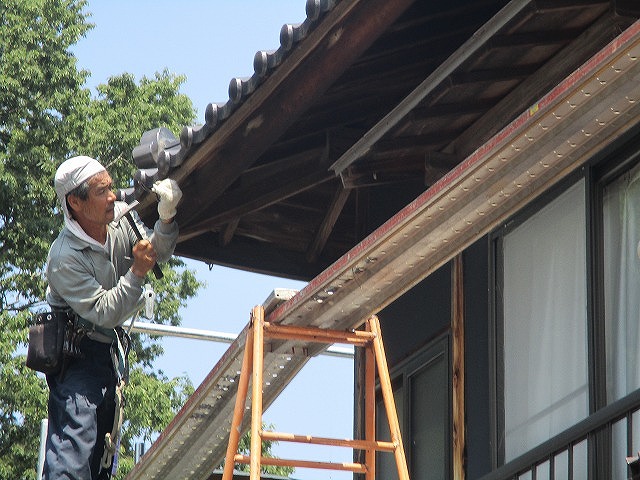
x=97, y=283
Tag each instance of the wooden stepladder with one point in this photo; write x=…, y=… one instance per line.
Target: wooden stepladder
x=252, y=367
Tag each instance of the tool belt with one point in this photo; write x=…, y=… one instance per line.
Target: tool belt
x=54, y=339
x=51, y=337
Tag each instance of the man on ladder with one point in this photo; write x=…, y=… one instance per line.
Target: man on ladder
x=95, y=271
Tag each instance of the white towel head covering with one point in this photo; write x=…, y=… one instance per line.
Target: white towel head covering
x=69, y=175
x=72, y=173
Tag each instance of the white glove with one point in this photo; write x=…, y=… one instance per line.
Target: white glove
x=169, y=194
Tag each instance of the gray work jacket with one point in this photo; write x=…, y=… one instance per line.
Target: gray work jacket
x=98, y=285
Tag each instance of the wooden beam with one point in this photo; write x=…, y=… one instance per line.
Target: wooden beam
x=534, y=38
x=410, y=143
x=229, y=230
x=468, y=50
x=559, y=5
x=458, y=407
x=258, y=257
x=490, y=75
x=424, y=112
x=326, y=227
x=307, y=155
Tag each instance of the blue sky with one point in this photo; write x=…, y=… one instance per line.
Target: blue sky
x=210, y=42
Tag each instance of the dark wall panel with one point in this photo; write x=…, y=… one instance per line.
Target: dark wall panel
x=417, y=317
x=477, y=379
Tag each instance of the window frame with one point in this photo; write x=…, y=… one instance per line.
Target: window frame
x=400, y=376
x=496, y=305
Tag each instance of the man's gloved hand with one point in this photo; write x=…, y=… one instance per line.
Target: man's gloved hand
x=169, y=194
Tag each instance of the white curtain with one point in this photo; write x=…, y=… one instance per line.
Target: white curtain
x=622, y=285
x=621, y=222
x=545, y=323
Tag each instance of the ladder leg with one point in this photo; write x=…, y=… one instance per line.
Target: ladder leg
x=256, y=393
x=389, y=402
x=370, y=409
x=238, y=412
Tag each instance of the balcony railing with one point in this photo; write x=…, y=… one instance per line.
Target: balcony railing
x=596, y=448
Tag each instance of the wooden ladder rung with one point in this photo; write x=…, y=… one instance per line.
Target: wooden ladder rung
x=336, y=442
x=287, y=462
x=317, y=335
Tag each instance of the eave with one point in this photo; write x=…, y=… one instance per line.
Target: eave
x=260, y=193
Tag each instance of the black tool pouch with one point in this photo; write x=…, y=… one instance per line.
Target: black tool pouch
x=47, y=339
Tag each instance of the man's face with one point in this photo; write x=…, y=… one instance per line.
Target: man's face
x=97, y=209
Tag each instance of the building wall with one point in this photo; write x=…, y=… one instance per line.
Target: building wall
x=418, y=317
x=584, y=310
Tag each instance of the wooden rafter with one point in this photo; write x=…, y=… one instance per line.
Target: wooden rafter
x=333, y=212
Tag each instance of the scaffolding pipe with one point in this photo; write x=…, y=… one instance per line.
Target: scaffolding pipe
x=211, y=335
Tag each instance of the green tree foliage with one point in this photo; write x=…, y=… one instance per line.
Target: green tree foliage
x=47, y=116
x=39, y=87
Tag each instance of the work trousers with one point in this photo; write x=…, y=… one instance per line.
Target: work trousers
x=81, y=412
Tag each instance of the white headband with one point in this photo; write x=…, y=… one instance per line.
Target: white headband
x=72, y=173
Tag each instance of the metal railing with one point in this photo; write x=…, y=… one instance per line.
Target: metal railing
x=591, y=449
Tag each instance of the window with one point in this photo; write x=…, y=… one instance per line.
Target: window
x=621, y=234
x=421, y=388
x=567, y=313
x=621, y=285
x=544, y=324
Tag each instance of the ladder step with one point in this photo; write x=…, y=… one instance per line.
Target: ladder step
x=318, y=335
x=337, y=442
x=284, y=462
